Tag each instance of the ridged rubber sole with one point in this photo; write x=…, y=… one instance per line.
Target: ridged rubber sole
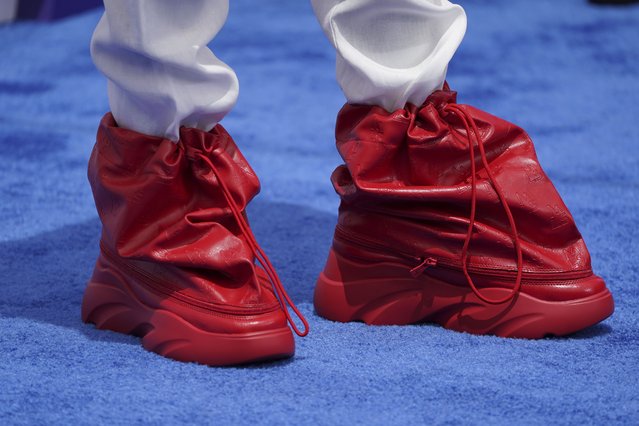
x=400, y=301
x=167, y=334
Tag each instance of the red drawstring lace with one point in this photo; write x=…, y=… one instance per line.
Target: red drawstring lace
x=261, y=257
x=469, y=123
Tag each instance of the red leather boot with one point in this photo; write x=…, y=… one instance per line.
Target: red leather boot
x=177, y=256
x=446, y=216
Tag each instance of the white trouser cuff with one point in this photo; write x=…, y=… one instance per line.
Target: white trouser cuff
x=161, y=74
x=391, y=52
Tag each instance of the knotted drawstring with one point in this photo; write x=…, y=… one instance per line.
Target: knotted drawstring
x=259, y=254
x=469, y=123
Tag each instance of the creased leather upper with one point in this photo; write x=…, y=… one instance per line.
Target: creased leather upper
x=406, y=183
x=164, y=213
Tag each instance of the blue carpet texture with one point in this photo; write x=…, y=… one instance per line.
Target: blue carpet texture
x=564, y=70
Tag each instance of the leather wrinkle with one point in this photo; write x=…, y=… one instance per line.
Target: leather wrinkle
x=152, y=223
x=384, y=203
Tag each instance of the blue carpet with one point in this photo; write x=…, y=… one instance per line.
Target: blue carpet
x=564, y=70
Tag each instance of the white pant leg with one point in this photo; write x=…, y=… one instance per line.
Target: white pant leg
x=161, y=74
x=390, y=52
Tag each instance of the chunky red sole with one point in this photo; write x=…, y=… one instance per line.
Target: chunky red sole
x=113, y=306
x=392, y=300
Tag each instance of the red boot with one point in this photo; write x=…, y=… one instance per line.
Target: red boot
x=176, y=262
x=447, y=217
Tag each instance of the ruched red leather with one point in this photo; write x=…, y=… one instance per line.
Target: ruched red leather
x=178, y=260
x=406, y=184
x=446, y=216
x=163, y=213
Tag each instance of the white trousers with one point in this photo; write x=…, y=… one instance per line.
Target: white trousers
x=161, y=74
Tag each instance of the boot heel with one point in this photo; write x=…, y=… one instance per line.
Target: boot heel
x=348, y=290
x=108, y=305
